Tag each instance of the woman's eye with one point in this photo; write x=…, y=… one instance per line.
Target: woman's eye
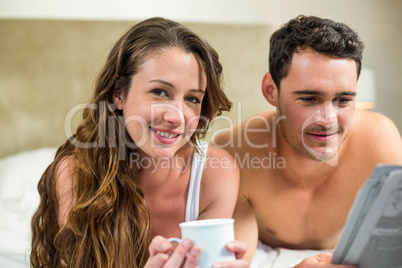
x=159, y=92
x=192, y=99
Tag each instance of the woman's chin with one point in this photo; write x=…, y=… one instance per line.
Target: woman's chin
x=161, y=153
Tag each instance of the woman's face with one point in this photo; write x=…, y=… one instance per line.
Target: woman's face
x=163, y=105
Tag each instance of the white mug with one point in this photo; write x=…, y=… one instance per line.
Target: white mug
x=211, y=236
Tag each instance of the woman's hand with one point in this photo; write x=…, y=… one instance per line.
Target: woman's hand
x=160, y=248
x=322, y=260
x=239, y=248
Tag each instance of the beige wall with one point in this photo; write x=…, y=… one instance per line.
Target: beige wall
x=48, y=66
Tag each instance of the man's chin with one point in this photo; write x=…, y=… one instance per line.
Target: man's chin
x=328, y=157
x=324, y=156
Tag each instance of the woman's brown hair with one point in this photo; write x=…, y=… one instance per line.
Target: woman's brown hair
x=108, y=224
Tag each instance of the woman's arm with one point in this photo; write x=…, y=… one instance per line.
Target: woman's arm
x=65, y=183
x=219, y=190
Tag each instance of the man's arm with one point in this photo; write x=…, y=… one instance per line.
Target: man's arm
x=246, y=229
x=321, y=261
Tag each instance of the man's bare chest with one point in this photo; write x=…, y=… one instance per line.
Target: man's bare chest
x=297, y=217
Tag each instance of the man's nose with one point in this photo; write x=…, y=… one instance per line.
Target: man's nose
x=327, y=115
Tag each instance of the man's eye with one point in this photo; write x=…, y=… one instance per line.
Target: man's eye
x=159, y=92
x=308, y=99
x=192, y=99
x=343, y=101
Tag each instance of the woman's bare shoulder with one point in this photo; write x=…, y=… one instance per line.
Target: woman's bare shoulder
x=219, y=184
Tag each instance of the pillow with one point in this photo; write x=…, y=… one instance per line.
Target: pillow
x=19, y=198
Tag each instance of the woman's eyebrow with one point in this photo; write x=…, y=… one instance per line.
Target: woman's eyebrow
x=163, y=82
x=198, y=90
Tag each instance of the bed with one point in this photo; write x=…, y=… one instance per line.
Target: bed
x=19, y=175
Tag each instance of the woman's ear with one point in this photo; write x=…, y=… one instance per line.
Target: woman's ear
x=118, y=100
x=269, y=89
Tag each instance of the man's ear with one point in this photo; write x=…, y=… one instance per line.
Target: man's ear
x=118, y=99
x=269, y=89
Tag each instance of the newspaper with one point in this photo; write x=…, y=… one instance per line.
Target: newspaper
x=372, y=235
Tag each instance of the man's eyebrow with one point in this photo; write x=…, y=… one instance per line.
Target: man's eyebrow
x=308, y=92
x=320, y=93
x=346, y=93
x=172, y=86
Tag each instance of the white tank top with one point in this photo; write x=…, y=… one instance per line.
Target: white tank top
x=193, y=197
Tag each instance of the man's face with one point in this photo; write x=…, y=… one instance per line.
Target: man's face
x=318, y=99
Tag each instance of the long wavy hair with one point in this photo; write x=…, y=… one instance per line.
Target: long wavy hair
x=108, y=224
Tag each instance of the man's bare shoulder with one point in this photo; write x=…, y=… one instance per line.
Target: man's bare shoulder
x=377, y=136
x=255, y=130
x=372, y=126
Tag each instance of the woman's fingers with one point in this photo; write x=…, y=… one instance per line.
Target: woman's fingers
x=192, y=257
x=179, y=254
x=159, y=244
x=157, y=261
x=239, y=248
x=184, y=254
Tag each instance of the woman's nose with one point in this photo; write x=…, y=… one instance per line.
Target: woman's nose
x=173, y=113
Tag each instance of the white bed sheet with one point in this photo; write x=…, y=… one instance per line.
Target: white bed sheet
x=267, y=257
x=19, y=176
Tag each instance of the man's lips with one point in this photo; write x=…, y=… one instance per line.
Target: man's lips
x=322, y=135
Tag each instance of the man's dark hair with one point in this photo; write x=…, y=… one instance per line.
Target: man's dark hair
x=322, y=35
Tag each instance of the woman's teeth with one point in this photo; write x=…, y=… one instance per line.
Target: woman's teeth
x=166, y=135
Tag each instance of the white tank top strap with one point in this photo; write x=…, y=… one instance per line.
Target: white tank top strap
x=197, y=166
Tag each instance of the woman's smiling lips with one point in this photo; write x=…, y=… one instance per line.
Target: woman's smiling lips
x=165, y=135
